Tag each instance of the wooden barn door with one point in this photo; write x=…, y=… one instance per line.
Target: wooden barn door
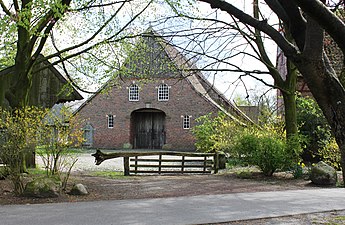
x=149, y=130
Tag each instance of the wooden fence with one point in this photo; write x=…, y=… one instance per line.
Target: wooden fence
x=163, y=162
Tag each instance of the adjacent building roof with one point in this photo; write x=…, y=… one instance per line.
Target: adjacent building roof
x=49, y=86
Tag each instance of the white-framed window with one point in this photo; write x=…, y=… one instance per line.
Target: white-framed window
x=186, y=121
x=133, y=92
x=163, y=92
x=110, y=119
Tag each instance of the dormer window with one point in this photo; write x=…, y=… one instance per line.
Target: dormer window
x=163, y=92
x=133, y=92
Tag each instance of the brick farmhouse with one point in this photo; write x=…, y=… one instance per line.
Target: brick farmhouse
x=152, y=102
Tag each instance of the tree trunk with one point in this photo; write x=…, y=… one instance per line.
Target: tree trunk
x=330, y=96
x=324, y=84
x=290, y=114
x=289, y=98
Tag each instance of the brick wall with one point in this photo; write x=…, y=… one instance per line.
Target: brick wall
x=183, y=100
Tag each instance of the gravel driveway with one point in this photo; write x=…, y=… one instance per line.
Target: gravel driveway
x=86, y=162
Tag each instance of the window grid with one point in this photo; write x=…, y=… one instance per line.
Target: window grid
x=110, y=121
x=133, y=92
x=186, y=122
x=163, y=92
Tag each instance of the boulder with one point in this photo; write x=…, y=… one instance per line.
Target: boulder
x=78, y=189
x=44, y=187
x=167, y=147
x=127, y=146
x=323, y=174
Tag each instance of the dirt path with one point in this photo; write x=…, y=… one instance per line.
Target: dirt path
x=134, y=187
x=140, y=187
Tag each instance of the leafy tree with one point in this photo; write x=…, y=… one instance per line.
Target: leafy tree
x=69, y=34
x=226, y=32
x=305, y=50
x=30, y=28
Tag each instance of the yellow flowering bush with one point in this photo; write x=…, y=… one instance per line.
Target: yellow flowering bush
x=25, y=128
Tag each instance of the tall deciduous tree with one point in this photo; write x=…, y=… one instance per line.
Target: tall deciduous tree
x=219, y=40
x=28, y=27
x=307, y=20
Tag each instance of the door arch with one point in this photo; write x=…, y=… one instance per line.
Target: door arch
x=148, y=128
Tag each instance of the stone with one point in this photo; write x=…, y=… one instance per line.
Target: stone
x=323, y=174
x=167, y=147
x=78, y=189
x=127, y=146
x=44, y=187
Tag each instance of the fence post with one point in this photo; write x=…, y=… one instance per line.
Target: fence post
x=136, y=164
x=182, y=164
x=205, y=163
x=160, y=164
x=126, y=165
x=216, y=162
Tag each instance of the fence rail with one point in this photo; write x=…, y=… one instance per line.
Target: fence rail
x=163, y=162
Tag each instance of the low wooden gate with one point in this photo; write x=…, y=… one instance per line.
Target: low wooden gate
x=163, y=162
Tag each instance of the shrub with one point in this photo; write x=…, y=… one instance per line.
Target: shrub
x=215, y=133
x=267, y=150
x=268, y=153
x=331, y=154
x=24, y=128
x=17, y=140
x=57, y=137
x=264, y=147
x=314, y=127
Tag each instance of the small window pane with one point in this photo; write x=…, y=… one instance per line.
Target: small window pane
x=110, y=121
x=163, y=92
x=133, y=93
x=186, y=122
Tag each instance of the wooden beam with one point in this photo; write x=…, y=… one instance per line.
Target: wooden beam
x=101, y=156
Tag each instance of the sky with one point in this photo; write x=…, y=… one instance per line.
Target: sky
x=226, y=82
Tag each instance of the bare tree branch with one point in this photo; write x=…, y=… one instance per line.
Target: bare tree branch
x=288, y=48
x=5, y=9
x=90, y=6
x=107, y=40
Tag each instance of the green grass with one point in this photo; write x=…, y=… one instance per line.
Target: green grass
x=36, y=171
x=341, y=218
x=109, y=174
x=41, y=150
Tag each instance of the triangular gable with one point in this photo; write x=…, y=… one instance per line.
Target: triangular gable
x=200, y=84
x=172, y=64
